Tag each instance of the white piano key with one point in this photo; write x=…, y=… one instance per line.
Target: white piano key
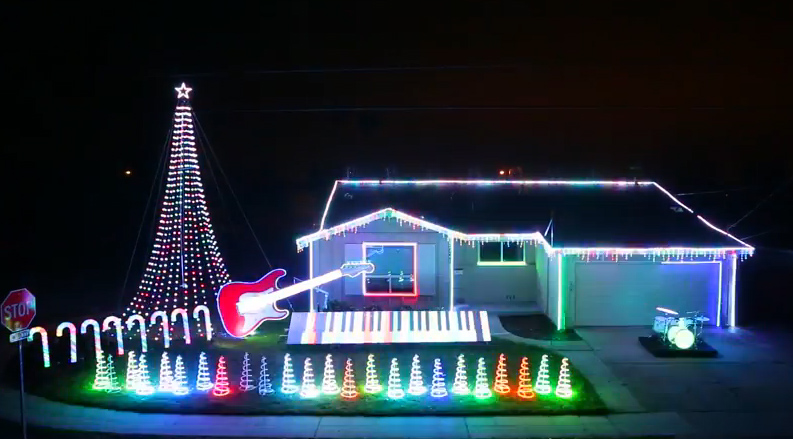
x=454, y=326
x=357, y=328
x=404, y=326
x=434, y=331
x=425, y=327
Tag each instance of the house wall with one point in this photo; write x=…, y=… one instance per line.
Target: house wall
x=542, y=265
x=493, y=284
x=330, y=254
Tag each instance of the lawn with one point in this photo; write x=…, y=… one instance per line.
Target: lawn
x=71, y=383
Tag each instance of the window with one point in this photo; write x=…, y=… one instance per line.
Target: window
x=395, y=269
x=501, y=253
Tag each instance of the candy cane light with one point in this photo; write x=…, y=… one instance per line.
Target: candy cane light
x=141, y=326
x=203, y=309
x=97, y=340
x=185, y=321
x=45, y=343
x=166, y=326
x=72, y=339
x=119, y=332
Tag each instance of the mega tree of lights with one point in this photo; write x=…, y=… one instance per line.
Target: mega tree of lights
x=185, y=268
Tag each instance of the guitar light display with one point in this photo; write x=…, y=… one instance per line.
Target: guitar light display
x=246, y=380
x=348, y=390
x=563, y=388
x=329, y=384
x=45, y=343
x=525, y=389
x=308, y=387
x=501, y=383
x=543, y=386
x=203, y=383
x=265, y=385
x=438, y=389
x=119, y=332
x=72, y=339
x=394, y=381
x=94, y=325
x=481, y=390
x=185, y=268
x=221, y=379
x=372, y=381
x=416, y=384
x=460, y=386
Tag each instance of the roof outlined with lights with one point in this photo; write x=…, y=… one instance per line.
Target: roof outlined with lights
x=566, y=214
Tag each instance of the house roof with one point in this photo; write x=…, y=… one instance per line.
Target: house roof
x=589, y=214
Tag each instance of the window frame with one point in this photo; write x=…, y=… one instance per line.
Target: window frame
x=414, y=276
x=502, y=262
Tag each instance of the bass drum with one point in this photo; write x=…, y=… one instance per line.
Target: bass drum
x=684, y=339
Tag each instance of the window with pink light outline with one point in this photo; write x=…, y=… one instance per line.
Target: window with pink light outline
x=415, y=274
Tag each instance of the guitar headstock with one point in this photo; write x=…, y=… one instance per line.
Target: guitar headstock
x=353, y=269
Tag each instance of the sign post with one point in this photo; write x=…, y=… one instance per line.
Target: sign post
x=18, y=310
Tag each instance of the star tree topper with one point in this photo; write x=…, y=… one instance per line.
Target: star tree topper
x=183, y=91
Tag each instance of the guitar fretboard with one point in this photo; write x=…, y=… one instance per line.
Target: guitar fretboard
x=363, y=327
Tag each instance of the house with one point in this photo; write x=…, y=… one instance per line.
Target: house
x=585, y=253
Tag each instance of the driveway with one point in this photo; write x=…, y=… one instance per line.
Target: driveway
x=746, y=390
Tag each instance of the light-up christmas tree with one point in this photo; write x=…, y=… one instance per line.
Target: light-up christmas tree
x=100, y=377
x=166, y=374
x=543, y=386
x=501, y=383
x=329, y=384
x=221, y=379
x=185, y=268
x=525, y=389
x=416, y=384
x=460, y=386
x=132, y=372
x=203, y=383
x=348, y=390
x=308, y=387
x=179, y=386
x=372, y=381
x=144, y=386
x=112, y=378
x=394, y=381
x=438, y=389
x=246, y=381
x=265, y=385
x=563, y=388
x=288, y=383
x=481, y=390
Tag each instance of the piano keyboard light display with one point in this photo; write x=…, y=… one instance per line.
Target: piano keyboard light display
x=373, y=327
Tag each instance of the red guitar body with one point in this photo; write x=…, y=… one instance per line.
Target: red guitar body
x=242, y=324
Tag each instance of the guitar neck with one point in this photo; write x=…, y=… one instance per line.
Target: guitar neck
x=293, y=289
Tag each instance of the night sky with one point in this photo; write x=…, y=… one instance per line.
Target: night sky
x=294, y=93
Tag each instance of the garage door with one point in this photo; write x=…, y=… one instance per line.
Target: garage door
x=626, y=293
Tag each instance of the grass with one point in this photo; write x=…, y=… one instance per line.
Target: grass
x=538, y=327
x=71, y=383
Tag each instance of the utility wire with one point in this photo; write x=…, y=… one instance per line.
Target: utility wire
x=158, y=176
x=205, y=141
x=716, y=191
x=472, y=108
x=354, y=70
x=763, y=201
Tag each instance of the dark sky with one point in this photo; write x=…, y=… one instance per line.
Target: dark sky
x=291, y=94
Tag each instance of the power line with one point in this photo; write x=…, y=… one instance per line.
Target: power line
x=470, y=108
x=763, y=201
x=353, y=70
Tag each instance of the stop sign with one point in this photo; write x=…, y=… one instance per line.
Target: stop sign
x=18, y=309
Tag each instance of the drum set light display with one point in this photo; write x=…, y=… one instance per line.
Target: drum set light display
x=682, y=332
